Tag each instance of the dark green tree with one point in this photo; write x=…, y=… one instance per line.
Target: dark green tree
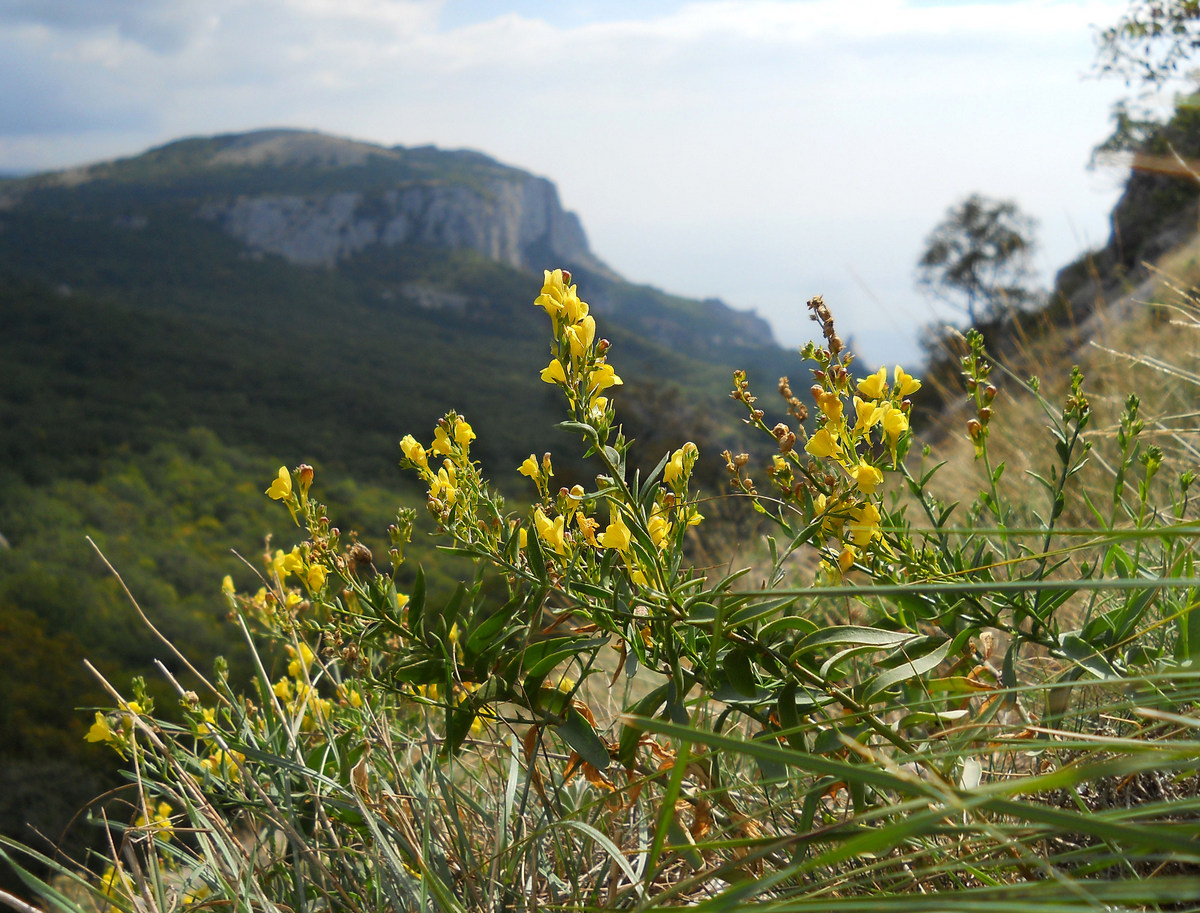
x=978, y=258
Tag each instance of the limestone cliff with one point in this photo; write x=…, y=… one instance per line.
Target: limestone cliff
x=516, y=221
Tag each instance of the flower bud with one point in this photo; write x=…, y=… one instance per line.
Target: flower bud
x=566, y=274
x=305, y=473
x=989, y=394
x=974, y=429
x=603, y=346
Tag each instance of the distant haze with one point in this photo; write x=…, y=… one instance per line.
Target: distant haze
x=760, y=151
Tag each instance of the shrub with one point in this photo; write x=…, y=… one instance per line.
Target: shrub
x=989, y=711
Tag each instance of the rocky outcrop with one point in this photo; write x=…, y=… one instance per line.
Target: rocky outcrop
x=515, y=222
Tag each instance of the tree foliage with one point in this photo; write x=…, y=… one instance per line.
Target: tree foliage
x=1150, y=41
x=978, y=258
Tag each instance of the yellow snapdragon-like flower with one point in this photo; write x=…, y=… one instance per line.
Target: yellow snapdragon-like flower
x=868, y=414
x=823, y=444
x=846, y=558
x=209, y=716
x=581, y=336
x=659, y=528
x=444, y=485
x=531, y=467
x=906, y=383
x=441, y=441
x=603, y=377
x=587, y=526
x=866, y=476
x=597, y=410
x=101, y=731
x=554, y=373
x=413, y=451
x=224, y=764
x=551, y=531
x=302, y=660
x=281, y=488
x=895, y=422
x=315, y=577
x=617, y=535
x=831, y=407
x=875, y=386
x=679, y=465
x=161, y=822
x=463, y=434
x=115, y=883
x=864, y=523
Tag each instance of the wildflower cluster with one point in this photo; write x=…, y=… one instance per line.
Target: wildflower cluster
x=579, y=365
x=861, y=428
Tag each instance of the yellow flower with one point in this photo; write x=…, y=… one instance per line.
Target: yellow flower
x=551, y=531
x=161, y=823
x=581, y=335
x=575, y=309
x=866, y=476
x=676, y=467
x=906, y=382
x=659, y=528
x=101, y=731
x=864, y=523
x=823, y=444
x=115, y=883
x=617, y=535
x=575, y=495
x=209, y=715
x=554, y=373
x=223, y=763
x=302, y=661
x=522, y=537
x=293, y=562
x=442, y=485
x=315, y=577
x=868, y=414
x=281, y=488
x=875, y=386
x=597, y=410
x=463, y=434
x=895, y=422
x=588, y=527
x=847, y=558
x=413, y=451
x=603, y=377
x=831, y=406
x=554, y=283
x=227, y=585
x=354, y=698
x=441, y=441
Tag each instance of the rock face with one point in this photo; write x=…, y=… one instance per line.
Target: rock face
x=517, y=222
x=349, y=195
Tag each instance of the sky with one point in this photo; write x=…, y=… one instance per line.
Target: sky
x=760, y=151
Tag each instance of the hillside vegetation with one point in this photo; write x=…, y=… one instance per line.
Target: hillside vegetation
x=157, y=363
